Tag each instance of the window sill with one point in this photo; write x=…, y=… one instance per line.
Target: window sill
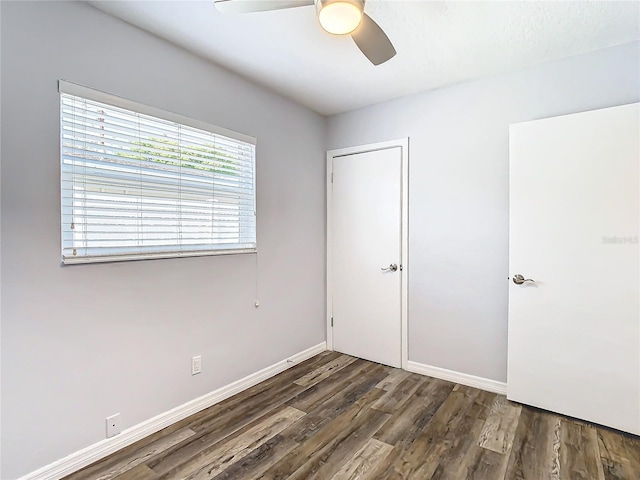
x=153, y=256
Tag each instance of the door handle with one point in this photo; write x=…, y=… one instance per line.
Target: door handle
x=391, y=268
x=519, y=279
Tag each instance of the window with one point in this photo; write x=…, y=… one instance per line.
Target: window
x=138, y=182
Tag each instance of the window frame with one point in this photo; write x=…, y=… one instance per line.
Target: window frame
x=70, y=88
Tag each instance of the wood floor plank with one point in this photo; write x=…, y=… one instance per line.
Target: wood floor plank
x=141, y=472
x=452, y=411
x=340, y=402
x=422, y=458
x=579, y=452
x=255, y=464
x=121, y=464
x=612, y=446
x=346, y=424
x=479, y=463
x=324, y=371
x=632, y=444
x=500, y=427
x=400, y=465
x=462, y=442
x=398, y=394
x=364, y=463
x=616, y=459
x=482, y=405
x=536, y=446
x=214, y=460
x=485, y=464
x=324, y=463
x=465, y=458
x=395, y=376
x=317, y=394
x=407, y=423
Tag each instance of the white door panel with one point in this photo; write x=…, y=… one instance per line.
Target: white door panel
x=366, y=236
x=574, y=334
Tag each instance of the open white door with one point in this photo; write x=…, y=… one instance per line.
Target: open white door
x=574, y=330
x=366, y=236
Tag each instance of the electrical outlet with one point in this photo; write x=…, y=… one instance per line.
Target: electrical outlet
x=196, y=365
x=113, y=425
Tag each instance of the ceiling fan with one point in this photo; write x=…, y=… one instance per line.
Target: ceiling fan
x=339, y=17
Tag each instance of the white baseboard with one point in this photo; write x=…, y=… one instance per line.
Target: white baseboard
x=457, y=377
x=99, y=450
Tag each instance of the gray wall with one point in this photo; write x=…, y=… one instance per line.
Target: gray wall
x=458, y=193
x=80, y=343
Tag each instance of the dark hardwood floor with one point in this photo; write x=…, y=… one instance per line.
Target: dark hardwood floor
x=338, y=417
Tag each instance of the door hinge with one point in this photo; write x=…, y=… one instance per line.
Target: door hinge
x=332, y=321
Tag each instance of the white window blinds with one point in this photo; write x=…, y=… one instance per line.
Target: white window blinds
x=138, y=182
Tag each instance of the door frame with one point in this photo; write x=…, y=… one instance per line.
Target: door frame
x=403, y=143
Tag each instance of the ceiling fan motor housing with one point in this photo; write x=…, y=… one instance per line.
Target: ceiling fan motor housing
x=323, y=3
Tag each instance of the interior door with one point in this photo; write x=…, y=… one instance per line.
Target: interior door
x=366, y=216
x=574, y=319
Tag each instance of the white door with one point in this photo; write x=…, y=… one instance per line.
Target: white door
x=366, y=254
x=574, y=331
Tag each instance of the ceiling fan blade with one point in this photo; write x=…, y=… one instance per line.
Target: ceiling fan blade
x=248, y=6
x=372, y=41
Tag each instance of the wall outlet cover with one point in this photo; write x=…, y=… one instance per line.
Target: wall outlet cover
x=196, y=365
x=113, y=425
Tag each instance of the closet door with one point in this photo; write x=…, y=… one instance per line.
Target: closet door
x=366, y=255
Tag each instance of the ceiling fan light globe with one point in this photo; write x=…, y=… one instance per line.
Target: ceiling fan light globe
x=339, y=17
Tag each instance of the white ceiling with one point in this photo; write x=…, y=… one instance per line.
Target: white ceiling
x=439, y=43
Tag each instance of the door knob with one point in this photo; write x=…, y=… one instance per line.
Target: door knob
x=391, y=268
x=519, y=279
